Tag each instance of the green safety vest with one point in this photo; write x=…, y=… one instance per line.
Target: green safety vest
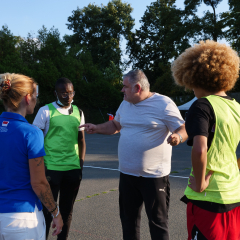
x=61, y=141
x=224, y=184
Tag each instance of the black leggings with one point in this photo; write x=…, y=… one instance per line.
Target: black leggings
x=66, y=183
x=155, y=194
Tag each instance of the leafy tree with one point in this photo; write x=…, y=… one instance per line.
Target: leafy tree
x=46, y=57
x=210, y=26
x=160, y=39
x=28, y=47
x=56, y=60
x=112, y=75
x=232, y=19
x=10, y=60
x=232, y=34
x=99, y=30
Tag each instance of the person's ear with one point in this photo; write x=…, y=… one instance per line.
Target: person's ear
x=138, y=88
x=27, y=98
x=55, y=93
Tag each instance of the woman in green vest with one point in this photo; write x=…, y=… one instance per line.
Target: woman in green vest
x=211, y=69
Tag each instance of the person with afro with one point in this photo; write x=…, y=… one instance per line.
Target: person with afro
x=211, y=69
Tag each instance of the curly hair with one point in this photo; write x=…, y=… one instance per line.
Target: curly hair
x=19, y=86
x=209, y=65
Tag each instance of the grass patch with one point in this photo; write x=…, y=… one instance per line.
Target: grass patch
x=174, y=172
x=96, y=194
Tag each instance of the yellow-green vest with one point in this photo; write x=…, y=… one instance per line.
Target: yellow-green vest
x=61, y=141
x=224, y=185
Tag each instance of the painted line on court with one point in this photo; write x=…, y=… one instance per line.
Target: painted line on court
x=102, y=168
x=118, y=171
x=95, y=138
x=177, y=176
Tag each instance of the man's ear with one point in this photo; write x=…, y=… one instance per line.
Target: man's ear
x=55, y=93
x=138, y=88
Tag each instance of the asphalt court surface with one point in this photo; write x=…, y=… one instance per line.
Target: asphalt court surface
x=96, y=213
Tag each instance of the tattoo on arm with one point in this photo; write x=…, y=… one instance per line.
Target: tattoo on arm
x=46, y=198
x=39, y=162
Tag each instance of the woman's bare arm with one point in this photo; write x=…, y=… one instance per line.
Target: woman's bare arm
x=42, y=189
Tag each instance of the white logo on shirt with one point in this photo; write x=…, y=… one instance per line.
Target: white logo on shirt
x=5, y=123
x=3, y=129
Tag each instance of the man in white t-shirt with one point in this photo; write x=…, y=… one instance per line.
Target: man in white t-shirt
x=65, y=148
x=147, y=122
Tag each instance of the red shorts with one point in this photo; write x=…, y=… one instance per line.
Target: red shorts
x=205, y=225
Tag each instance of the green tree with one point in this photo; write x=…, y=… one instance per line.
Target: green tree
x=232, y=19
x=160, y=39
x=55, y=60
x=28, y=48
x=99, y=31
x=232, y=34
x=10, y=60
x=210, y=26
x=46, y=58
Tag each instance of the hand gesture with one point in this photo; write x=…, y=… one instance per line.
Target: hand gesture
x=89, y=128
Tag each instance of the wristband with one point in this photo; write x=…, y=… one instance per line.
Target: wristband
x=57, y=213
x=54, y=209
x=181, y=139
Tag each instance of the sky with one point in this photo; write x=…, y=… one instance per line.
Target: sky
x=28, y=16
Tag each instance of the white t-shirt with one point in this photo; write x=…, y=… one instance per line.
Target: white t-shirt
x=42, y=119
x=143, y=149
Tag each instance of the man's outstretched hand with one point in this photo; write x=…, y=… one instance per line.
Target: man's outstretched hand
x=89, y=128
